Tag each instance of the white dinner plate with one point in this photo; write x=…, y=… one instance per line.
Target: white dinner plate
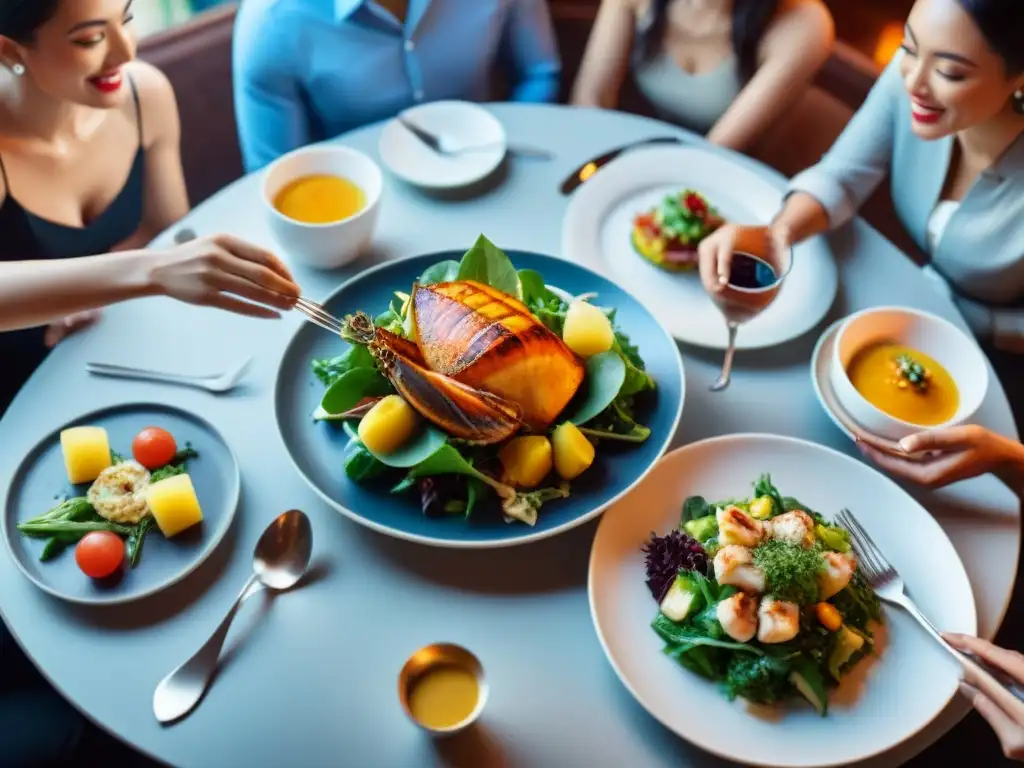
x=598, y=224
x=460, y=124
x=882, y=702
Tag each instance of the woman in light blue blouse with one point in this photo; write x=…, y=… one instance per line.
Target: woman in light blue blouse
x=945, y=123
x=307, y=70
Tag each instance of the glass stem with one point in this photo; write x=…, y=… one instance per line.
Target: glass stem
x=730, y=353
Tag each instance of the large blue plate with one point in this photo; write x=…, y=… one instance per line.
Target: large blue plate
x=317, y=449
x=41, y=478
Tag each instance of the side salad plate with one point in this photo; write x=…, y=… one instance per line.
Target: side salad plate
x=732, y=606
x=479, y=399
x=120, y=503
x=640, y=221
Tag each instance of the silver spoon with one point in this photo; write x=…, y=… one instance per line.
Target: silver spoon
x=216, y=382
x=281, y=558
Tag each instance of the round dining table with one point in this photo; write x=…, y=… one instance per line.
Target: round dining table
x=309, y=677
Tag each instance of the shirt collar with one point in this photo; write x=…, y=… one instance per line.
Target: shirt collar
x=345, y=8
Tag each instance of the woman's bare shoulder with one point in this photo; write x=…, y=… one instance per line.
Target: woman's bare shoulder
x=157, y=102
x=800, y=24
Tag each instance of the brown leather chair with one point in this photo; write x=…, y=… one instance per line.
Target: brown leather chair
x=196, y=57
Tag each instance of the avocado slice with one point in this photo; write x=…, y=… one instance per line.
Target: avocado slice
x=682, y=599
x=702, y=528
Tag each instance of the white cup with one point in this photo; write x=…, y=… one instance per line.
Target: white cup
x=331, y=245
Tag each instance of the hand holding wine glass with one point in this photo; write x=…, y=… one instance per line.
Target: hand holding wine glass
x=742, y=269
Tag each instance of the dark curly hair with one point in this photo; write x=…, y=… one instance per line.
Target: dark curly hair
x=19, y=19
x=1002, y=24
x=750, y=20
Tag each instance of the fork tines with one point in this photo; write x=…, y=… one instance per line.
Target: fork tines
x=318, y=315
x=871, y=558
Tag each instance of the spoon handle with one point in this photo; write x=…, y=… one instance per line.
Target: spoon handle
x=730, y=353
x=179, y=692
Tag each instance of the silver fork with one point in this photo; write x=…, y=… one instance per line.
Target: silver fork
x=441, y=146
x=317, y=315
x=218, y=382
x=888, y=585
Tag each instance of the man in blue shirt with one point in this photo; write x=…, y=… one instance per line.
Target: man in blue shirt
x=308, y=70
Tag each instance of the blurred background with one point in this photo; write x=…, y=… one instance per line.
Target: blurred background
x=873, y=27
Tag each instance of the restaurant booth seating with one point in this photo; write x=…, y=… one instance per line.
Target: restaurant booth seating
x=196, y=57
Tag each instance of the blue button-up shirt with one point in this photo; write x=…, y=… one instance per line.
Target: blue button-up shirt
x=307, y=70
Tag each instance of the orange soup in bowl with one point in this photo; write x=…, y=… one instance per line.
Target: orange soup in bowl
x=904, y=383
x=320, y=199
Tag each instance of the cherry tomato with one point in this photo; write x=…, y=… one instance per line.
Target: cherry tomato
x=99, y=554
x=154, y=447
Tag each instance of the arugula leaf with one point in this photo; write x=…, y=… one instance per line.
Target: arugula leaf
x=536, y=292
x=764, y=487
x=331, y=369
x=137, y=538
x=443, y=272
x=488, y=264
x=604, y=377
x=617, y=423
x=677, y=634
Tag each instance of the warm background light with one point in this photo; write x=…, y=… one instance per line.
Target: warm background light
x=889, y=41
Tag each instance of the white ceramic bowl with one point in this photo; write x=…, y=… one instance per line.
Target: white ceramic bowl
x=324, y=246
x=956, y=351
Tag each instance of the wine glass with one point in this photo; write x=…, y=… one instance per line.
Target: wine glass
x=759, y=266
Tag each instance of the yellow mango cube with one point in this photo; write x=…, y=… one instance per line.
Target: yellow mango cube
x=174, y=504
x=526, y=461
x=388, y=425
x=587, y=330
x=573, y=452
x=86, y=453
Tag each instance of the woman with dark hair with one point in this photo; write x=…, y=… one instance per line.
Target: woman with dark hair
x=945, y=123
x=725, y=68
x=89, y=164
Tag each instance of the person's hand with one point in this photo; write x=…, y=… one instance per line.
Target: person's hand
x=952, y=454
x=716, y=250
x=227, y=273
x=58, y=331
x=1009, y=728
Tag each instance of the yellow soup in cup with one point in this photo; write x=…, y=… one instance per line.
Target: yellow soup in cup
x=320, y=199
x=904, y=383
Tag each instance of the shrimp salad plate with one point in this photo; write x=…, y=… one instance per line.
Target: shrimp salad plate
x=731, y=604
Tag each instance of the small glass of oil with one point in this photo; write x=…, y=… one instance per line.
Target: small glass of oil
x=442, y=688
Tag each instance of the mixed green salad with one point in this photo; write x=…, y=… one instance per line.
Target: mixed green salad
x=545, y=378
x=762, y=596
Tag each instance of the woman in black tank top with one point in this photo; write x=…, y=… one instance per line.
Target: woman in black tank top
x=89, y=164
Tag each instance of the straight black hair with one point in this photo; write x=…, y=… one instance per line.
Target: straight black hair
x=1002, y=24
x=750, y=21
x=19, y=19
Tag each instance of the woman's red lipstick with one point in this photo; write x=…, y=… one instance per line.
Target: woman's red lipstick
x=925, y=114
x=108, y=83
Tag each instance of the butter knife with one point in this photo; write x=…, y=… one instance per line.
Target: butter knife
x=589, y=168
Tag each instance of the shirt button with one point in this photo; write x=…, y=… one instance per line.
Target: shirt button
x=409, y=45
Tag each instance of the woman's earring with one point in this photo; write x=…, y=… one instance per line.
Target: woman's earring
x=1018, y=102
x=18, y=69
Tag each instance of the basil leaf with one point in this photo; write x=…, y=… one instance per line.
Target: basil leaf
x=442, y=272
x=350, y=388
x=605, y=375
x=486, y=263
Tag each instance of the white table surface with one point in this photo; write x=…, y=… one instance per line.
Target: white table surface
x=311, y=679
